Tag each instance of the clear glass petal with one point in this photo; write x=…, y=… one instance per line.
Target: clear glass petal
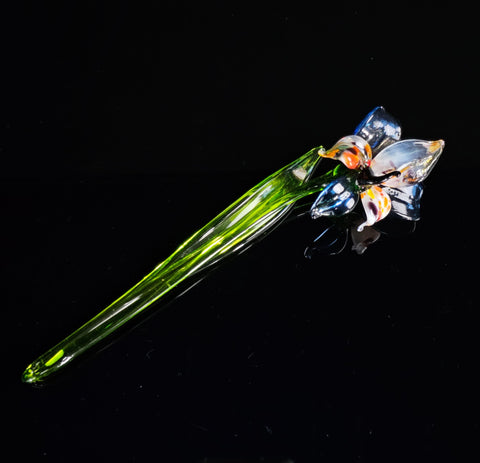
x=406, y=201
x=414, y=159
x=379, y=129
x=337, y=198
x=377, y=205
x=352, y=150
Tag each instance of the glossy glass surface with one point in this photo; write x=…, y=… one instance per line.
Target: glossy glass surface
x=376, y=204
x=414, y=159
x=249, y=217
x=352, y=150
x=338, y=198
x=406, y=201
x=379, y=129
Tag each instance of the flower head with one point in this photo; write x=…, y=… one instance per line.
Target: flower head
x=382, y=170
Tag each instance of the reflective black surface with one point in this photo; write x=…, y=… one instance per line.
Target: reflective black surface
x=122, y=138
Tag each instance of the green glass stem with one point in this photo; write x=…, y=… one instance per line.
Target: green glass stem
x=256, y=212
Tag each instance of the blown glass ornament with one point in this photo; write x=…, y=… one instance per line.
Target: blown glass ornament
x=376, y=169
x=382, y=170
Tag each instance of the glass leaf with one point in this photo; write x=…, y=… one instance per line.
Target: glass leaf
x=414, y=159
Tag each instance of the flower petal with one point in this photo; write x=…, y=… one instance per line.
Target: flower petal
x=379, y=129
x=414, y=159
x=352, y=150
x=406, y=201
x=377, y=205
x=336, y=199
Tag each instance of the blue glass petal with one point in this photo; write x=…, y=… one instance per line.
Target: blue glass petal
x=379, y=129
x=337, y=198
x=406, y=201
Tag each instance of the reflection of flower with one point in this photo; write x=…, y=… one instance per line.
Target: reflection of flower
x=334, y=238
x=337, y=232
x=380, y=168
x=363, y=238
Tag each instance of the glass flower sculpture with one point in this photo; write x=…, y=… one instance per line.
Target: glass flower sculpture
x=377, y=168
x=383, y=172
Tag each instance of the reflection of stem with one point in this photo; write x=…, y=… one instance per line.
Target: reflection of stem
x=245, y=220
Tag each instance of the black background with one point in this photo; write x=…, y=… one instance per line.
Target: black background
x=125, y=127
